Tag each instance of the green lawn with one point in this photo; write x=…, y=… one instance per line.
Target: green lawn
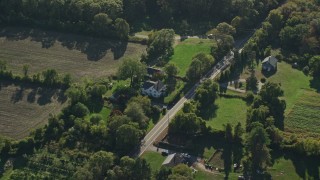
x=291, y=167
x=230, y=110
x=302, y=111
x=208, y=152
x=173, y=95
x=293, y=82
x=283, y=169
x=154, y=159
x=105, y=113
x=185, y=50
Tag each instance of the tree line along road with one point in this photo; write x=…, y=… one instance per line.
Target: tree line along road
x=164, y=122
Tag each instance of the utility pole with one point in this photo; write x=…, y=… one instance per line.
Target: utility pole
x=168, y=118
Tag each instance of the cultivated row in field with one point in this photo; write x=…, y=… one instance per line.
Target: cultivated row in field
x=305, y=115
x=23, y=108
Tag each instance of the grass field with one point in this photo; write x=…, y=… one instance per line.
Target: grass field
x=289, y=167
x=78, y=55
x=188, y=48
x=305, y=115
x=230, y=110
x=155, y=159
x=293, y=82
x=23, y=108
x=303, y=103
x=283, y=169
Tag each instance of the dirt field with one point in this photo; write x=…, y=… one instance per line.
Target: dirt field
x=78, y=55
x=23, y=108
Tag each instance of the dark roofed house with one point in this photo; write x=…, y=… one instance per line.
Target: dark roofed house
x=154, y=89
x=269, y=64
x=151, y=72
x=172, y=160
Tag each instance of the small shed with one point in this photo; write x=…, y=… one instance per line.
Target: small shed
x=269, y=64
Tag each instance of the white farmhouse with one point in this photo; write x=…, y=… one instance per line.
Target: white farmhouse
x=153, y=89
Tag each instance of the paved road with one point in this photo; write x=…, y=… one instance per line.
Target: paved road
x=164, y=122
x=214, y=72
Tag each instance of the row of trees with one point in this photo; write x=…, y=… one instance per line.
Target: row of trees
x=103, y=18
x=189, y=121
x=49, y=77
x=264, y=119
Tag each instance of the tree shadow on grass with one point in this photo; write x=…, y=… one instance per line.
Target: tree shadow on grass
x=209, y=112
x=210, y=140
x=315, y=83
x=94, y=48
x=18, y=94
x=36, y=94
x=303, y=164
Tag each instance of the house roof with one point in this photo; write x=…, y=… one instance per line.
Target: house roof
x=151, y=70
x=169, y=159
x=271, y=60
x=156, y=85
x=148, y=84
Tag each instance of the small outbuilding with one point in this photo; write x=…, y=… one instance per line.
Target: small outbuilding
x=269, y=64
x=172, y=160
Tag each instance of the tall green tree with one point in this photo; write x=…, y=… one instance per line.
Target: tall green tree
x=99, y=163
x=122, y=28
x=206, y=93
x=132, y=69
x=127, y=138
x=160, y=45
x=171, y=69
x=314, y=64
x=257, y=145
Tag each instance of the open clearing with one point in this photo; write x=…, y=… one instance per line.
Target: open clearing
x=230, y=110
x=188, y=48
x=155, y=159
x=23, y=108
x=79, y=56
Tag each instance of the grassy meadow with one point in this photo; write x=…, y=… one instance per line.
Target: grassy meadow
x=79, y=56
x=229, y=110
x=188, y=48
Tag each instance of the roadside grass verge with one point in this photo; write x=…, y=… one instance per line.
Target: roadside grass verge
x=188, y=48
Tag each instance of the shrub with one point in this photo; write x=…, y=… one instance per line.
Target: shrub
x=249, y=97
x=263, y=80
x=306, y=70
x=80, y=110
